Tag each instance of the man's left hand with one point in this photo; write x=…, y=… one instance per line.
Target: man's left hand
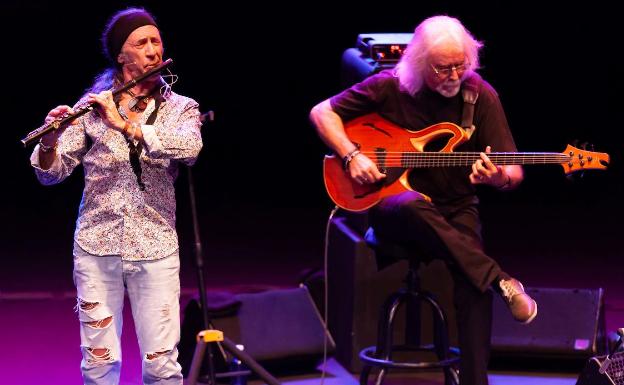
x=105, y=105
x=486, y=172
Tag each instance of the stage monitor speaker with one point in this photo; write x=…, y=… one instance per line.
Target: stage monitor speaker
x=273, y=326
x=599, y=371
x=569, y=325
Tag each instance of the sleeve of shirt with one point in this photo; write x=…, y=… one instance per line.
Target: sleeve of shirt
x=182, y=141
x=360, y=99
x=491, y=123
x=70, y=149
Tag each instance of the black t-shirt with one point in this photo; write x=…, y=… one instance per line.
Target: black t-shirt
x=382, y=93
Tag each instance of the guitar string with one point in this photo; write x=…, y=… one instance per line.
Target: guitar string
x=454, y=157
x=424, y=159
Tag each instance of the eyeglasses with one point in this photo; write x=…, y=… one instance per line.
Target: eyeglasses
x=446, y=71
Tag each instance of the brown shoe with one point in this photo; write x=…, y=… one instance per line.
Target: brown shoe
x=523, y=308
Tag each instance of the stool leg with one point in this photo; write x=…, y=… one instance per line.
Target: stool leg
x=440, y=335
x=383, y=349
x=441, y=342
x=380, y=376
x=451, y=376
x=364, y=375
x=413, y=321
x=385, y=326
x=412, y=307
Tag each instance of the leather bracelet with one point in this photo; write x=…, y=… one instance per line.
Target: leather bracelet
x=45, y=148
x=348, y=158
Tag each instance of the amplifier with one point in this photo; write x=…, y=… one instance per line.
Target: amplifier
x=383, y=47
x=603, y=370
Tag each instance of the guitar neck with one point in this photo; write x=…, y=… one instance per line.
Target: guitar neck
x=449, y=159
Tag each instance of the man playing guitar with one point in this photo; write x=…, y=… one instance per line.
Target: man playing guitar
x=426, y=88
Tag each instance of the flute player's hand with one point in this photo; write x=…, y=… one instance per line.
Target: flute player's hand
x=107, y=109
x=51, y=137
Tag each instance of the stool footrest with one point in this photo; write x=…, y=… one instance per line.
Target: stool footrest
x=367, y=357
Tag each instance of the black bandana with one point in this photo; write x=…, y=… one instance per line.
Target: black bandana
x=120, y=27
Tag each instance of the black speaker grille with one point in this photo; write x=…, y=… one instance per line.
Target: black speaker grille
x=615, y=370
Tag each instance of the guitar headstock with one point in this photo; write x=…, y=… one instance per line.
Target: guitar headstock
x=581, y=159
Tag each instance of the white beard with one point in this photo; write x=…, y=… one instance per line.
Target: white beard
x=449, y=88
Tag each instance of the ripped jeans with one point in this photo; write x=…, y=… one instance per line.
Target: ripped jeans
x=154, y=293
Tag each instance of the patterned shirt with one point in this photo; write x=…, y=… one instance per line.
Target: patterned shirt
x=115, y=216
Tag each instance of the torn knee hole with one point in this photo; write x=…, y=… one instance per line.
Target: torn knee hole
x=101, y=324
x=151, y=356
x=99, y=354
x=86, y=306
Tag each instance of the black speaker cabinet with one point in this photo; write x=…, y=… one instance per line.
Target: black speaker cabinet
x=274, y=326
x=569, y=324
x=600, y=371
x=277, y=324
x=356, y=291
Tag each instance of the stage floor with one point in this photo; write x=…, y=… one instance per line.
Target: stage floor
x=39, y=329
x=40, y=345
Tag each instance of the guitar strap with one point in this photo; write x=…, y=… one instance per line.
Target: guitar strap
x=470, y=94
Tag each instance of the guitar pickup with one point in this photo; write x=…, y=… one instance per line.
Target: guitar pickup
x=380, y=154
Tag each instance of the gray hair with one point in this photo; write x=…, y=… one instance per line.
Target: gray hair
x=433, y=32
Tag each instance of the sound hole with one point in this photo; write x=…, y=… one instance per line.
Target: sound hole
x=438, y=143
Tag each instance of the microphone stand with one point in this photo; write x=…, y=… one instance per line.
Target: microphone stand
x=199, y=263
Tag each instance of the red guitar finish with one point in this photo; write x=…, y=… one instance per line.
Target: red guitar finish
x=395, y=150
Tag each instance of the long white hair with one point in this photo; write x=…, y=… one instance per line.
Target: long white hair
x=433, y=32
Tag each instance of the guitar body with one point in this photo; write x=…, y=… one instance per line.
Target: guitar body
x=381, y=141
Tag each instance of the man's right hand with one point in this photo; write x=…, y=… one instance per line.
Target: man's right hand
x=364, y=171
x=51, y=137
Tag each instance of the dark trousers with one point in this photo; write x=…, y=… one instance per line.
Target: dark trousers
x=451, y=233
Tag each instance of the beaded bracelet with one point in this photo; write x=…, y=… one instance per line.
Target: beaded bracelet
x=348, y=158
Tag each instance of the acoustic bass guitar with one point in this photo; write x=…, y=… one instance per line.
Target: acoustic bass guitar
x=395, y=150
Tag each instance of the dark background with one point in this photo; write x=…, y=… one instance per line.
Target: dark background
x=261, y=67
